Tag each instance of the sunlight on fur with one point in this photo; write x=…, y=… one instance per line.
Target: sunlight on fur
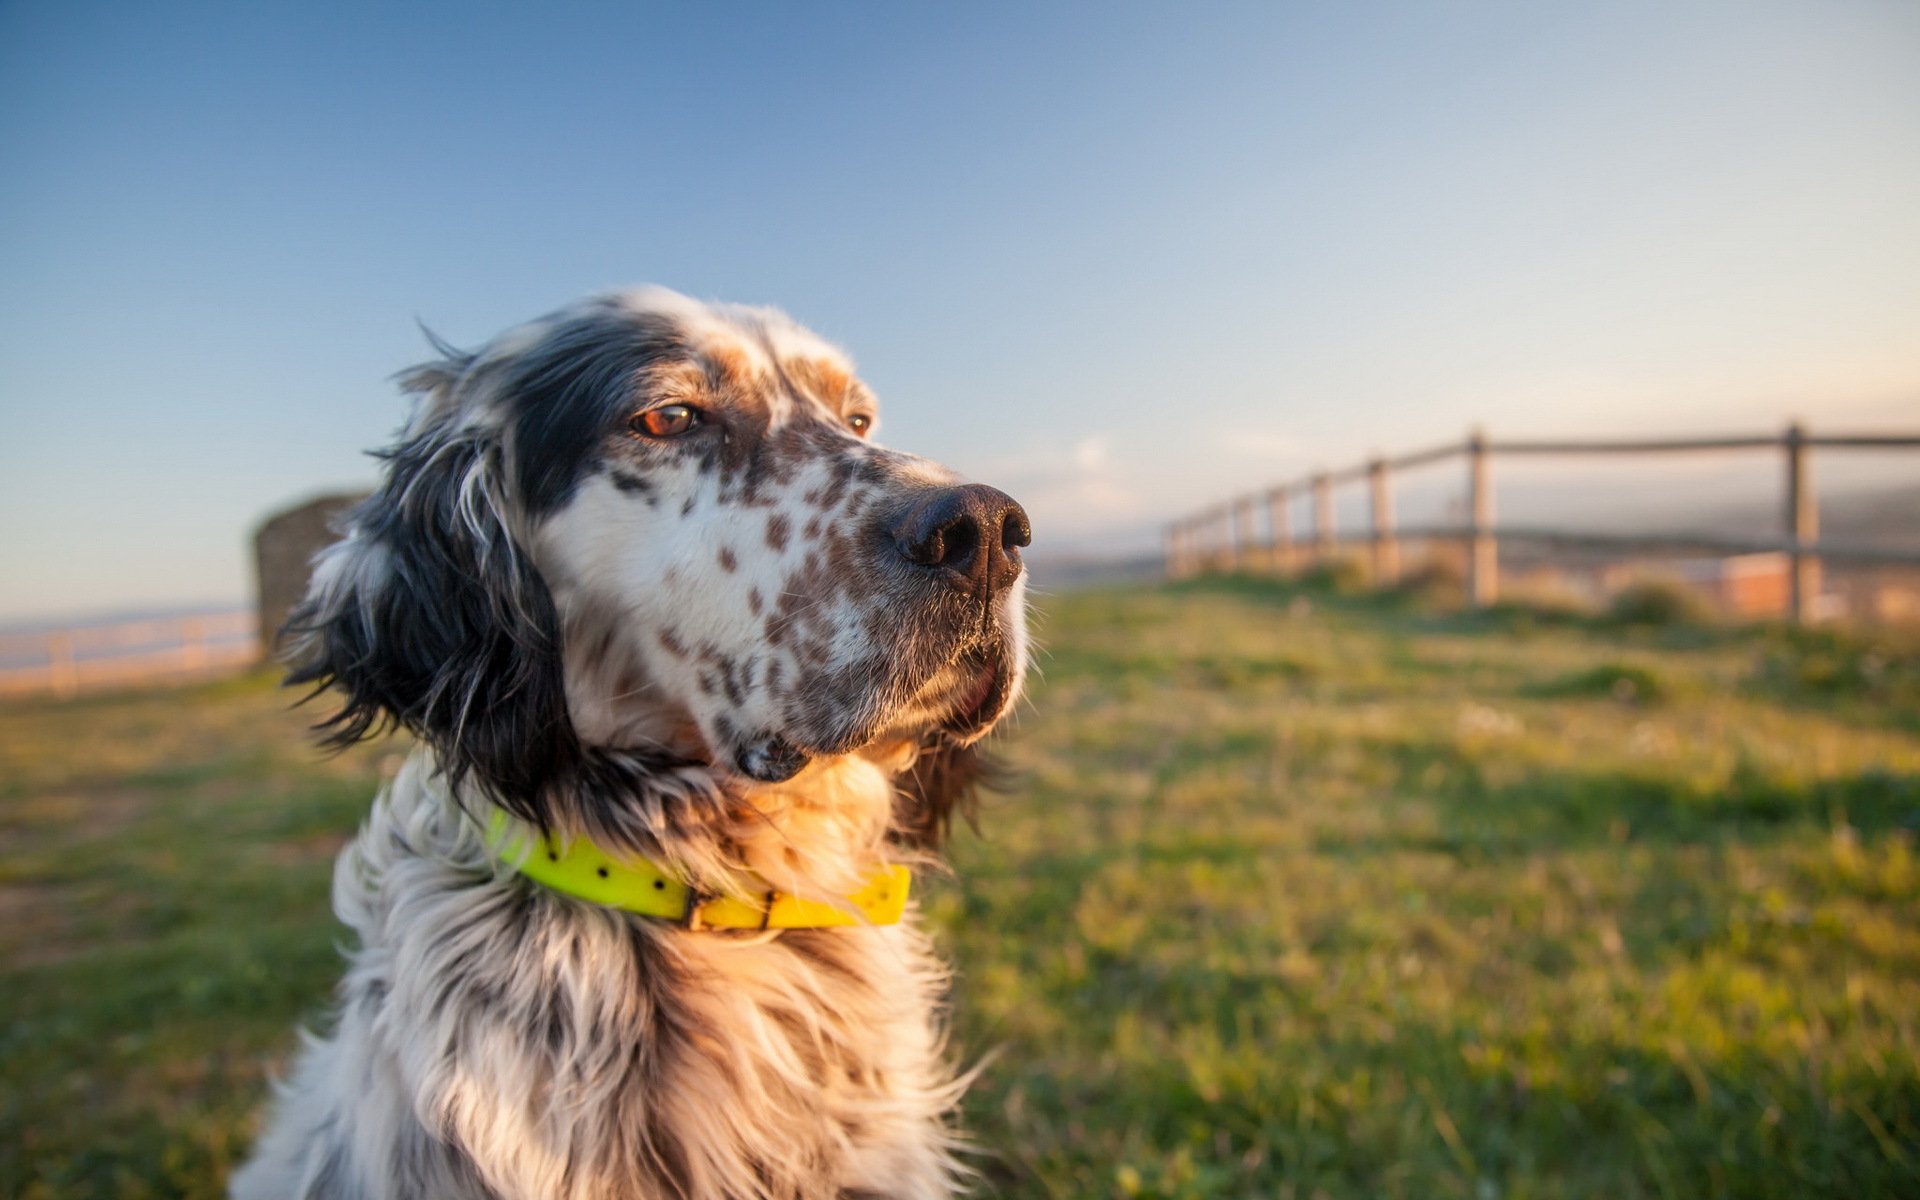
x=756, y=650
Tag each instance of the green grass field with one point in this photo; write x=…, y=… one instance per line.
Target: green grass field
x=1296, y=896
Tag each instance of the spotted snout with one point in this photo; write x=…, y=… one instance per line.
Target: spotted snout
x=941, y=641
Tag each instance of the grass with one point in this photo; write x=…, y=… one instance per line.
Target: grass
x=1299, y=895
x=163, y=875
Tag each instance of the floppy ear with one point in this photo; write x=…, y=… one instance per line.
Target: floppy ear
x=427, y=615
x=945, y=779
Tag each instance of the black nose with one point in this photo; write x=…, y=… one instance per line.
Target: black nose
x=971, y=536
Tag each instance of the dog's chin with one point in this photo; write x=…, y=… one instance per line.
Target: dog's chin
x=960, y=703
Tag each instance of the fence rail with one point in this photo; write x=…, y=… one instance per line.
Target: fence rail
x=1224, y=536
x=68, y=661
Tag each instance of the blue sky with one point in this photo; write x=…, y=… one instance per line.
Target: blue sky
x=1117, y=259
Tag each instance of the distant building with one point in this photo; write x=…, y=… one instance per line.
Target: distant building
x=1747, y=586
x=283, y=551
x=1743, y=585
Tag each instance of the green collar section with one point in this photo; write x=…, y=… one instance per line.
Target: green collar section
x=581, y=869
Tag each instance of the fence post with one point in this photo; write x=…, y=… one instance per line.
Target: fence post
x=1282, y=528
x=1803, y=527
x=1324, y=538
x=1243, y=534
x=63, y=673
x=1386, y=548
x=1483, y=553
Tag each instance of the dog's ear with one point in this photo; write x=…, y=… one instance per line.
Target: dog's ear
x=946, y=779
x=427, y=615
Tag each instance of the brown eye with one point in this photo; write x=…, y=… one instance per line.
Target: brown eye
x=669, y=420
x=860, y=423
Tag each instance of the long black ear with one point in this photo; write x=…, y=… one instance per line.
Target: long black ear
x=427, y=615
x=946, y=779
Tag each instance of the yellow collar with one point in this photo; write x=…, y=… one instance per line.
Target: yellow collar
x=581, y=869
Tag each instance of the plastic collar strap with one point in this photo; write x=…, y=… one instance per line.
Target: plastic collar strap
x=582, y=870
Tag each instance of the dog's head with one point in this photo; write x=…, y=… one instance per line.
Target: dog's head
x=656, y=530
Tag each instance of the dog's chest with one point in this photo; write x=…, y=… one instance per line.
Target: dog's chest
x=644, y=1060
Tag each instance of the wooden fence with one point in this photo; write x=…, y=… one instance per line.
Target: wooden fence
x=67, y=661
x=1224, y=537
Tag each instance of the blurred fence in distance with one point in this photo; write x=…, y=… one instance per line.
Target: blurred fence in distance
x=65, y=662
x=1225, y=536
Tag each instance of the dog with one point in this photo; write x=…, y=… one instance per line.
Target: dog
x=695, y=671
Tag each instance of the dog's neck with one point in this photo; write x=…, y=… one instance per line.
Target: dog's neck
x=820, y=835
x=824, y=831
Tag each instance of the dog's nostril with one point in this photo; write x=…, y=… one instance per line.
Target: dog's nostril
x=1014, y=531
x=959, y=542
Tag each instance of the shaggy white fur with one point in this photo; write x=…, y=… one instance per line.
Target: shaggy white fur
x=497, y=1040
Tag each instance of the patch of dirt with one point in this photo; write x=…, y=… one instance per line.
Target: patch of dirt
x=36, y=925
x=307, y=849
x=99, y=812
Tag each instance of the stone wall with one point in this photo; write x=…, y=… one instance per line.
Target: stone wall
x=283, y=550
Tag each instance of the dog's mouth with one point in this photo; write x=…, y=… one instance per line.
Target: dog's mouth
x=986, y=681
x=963, y=701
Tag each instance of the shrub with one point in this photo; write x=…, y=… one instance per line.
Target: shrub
x=1621, y=681
x=1343, y=575
x=1659, y=600
x=1434, y=580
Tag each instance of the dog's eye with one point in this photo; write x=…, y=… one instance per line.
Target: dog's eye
x=669, y=420
x=860, y=423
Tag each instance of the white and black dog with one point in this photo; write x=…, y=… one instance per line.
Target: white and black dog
x=638, y=580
